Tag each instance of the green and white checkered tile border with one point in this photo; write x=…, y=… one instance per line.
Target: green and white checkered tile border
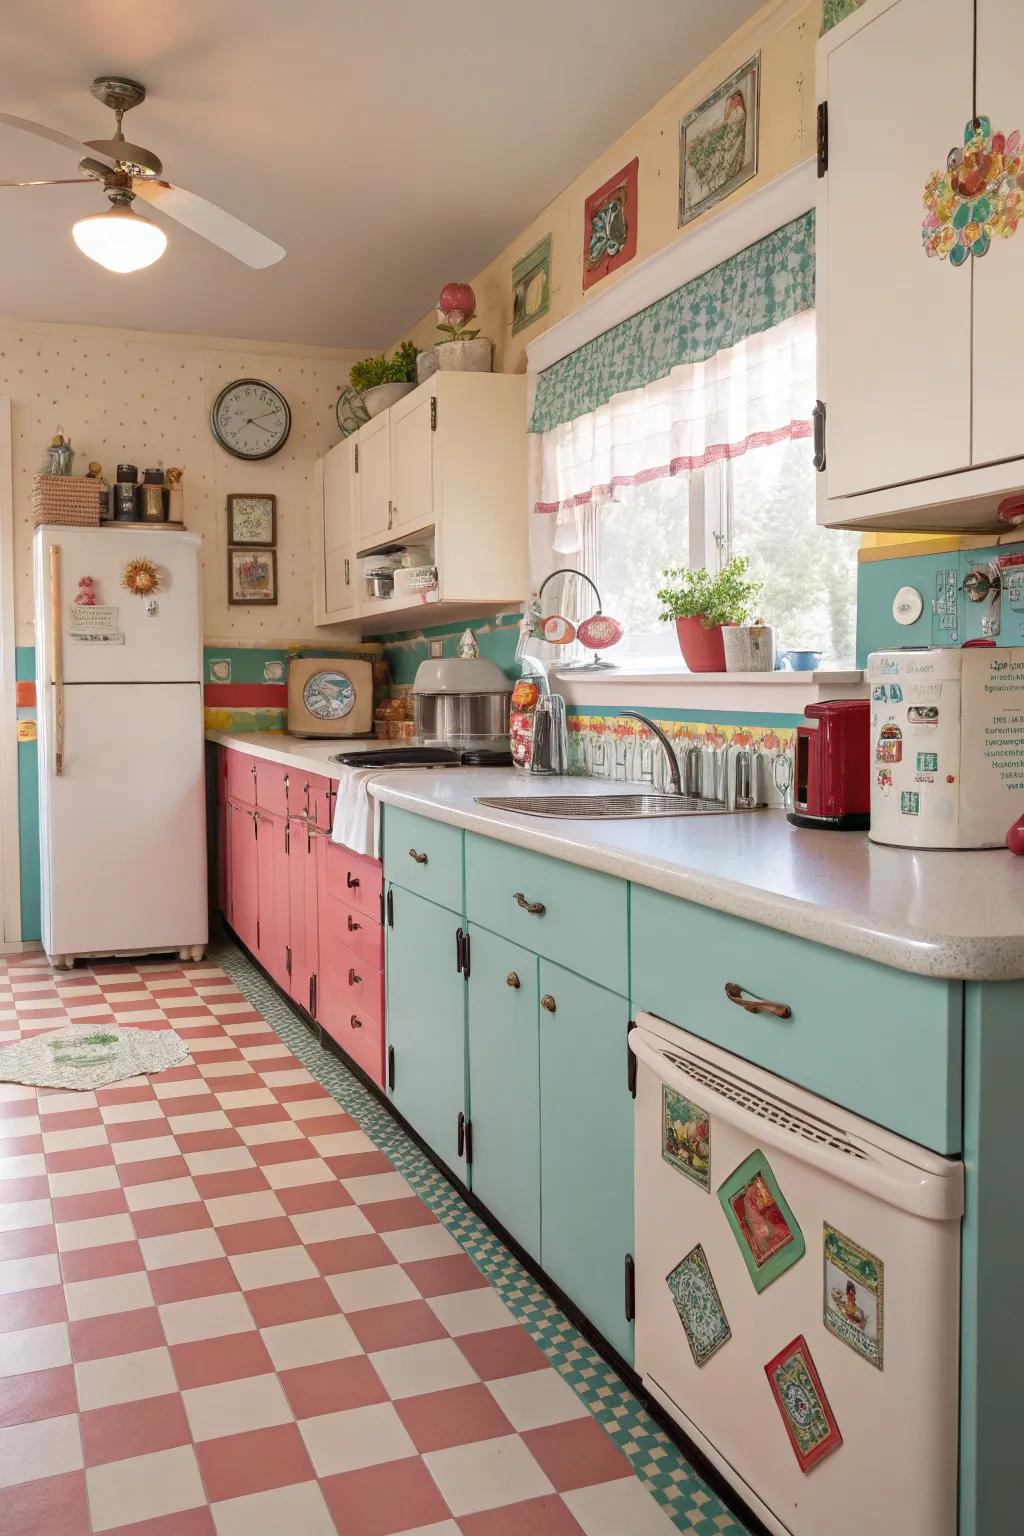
x=659, y=1464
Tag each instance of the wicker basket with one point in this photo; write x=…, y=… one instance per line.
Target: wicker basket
x=67, y=501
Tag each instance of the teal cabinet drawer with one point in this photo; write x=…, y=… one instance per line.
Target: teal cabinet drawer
x=882, y=1042
x=423, y=856
x=578, y=917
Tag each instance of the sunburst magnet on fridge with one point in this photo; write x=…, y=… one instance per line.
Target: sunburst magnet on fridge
x=947, y=746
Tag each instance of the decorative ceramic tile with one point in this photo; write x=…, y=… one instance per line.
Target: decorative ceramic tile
x=699, y=1305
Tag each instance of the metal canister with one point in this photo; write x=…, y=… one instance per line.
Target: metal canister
x=124, y=495
x=151, y=496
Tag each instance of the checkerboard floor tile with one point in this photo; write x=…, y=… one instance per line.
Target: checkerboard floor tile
x=236, y=1299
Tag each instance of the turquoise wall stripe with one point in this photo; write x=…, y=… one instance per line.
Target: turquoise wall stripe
x=249, y=663
x=947, y=618
x=25, y=663
x=497, y=639
x=28, y=833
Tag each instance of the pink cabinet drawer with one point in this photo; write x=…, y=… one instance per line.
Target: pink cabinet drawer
x=240, y=776
x=348, y=878
x=273, y=783
x=352, y=1013
x=354, y=930
x=358, y=987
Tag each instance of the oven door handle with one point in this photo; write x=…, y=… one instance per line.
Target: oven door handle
x=937, y=1197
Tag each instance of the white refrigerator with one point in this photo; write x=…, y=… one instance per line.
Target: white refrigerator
x=121, y=748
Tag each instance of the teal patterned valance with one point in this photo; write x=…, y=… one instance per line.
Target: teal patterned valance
x=835, y=11
x=757, y=288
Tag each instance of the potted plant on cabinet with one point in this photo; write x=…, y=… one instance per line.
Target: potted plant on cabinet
x=461, y=350
x=383, y=380
x=701, y=605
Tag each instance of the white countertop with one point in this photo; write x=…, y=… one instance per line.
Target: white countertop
x=958, y=915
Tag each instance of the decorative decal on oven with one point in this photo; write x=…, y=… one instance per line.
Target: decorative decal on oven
x=686, y=1137
x=806, y=1413
x=699, y=1305
x=762, y=1223
x=854, y=1295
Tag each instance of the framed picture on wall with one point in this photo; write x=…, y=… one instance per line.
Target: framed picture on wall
x=718, y=142
x=609, y=225
x=252, y=577
x=252, y=520
x=531, y=285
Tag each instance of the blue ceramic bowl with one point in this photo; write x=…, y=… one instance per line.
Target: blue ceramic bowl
x=803, y=661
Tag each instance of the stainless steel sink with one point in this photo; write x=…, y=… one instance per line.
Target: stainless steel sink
x=606, y=807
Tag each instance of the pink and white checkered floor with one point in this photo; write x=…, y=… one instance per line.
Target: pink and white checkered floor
x=223, y=1311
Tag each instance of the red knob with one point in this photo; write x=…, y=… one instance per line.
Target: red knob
x=1015, y=836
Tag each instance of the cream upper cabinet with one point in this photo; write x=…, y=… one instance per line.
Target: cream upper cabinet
x=919, y=428
x=339, y=513
x=413, y=424
x=444, y=468
x=373, y=476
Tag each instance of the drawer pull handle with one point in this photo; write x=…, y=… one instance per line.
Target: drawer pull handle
x=353, y=926
x=355, y=1023
x=351, y=880
x=537, y=908
x=512, y=980
x=353, y=979
x=734, y=992
x=420, y=858
x=547, y=1002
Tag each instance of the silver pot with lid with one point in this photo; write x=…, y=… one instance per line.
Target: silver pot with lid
x=462, y=701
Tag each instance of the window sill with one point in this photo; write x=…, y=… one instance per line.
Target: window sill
x=823, y=678
x=747, y=693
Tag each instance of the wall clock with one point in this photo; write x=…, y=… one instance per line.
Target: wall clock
x=251, y=419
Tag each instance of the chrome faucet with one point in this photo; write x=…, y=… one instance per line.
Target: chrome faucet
x=670, y=755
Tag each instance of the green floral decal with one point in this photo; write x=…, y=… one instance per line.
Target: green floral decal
x=757, y=288
x=835, y=11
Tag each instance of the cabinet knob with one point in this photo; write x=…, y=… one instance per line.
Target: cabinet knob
x=547, y=1002
x=353, y=979
x=537, y=908
x=735, y=993
x=355, y=1023
x=512, y=980
x=420, y=858
x=352, y=924
x=351, y=880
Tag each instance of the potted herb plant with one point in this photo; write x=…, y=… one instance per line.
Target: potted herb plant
x=460, y=350
x=383, y=380
x=701, y=605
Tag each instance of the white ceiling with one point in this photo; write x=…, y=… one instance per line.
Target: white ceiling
x=389, y=145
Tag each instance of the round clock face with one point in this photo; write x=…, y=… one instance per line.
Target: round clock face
x=251, y=419
x=329, y=695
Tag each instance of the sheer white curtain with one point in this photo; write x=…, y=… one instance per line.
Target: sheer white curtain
x=760, y=391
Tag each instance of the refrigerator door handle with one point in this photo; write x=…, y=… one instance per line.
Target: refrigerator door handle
x=57, y=663
x=936, y=1197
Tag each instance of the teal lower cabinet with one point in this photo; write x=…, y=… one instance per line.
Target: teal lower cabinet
x=586, y=1137
x=504, y=1076
x=426, y=1004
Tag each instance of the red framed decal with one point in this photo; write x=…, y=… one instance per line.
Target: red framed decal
x=609, y=225
x=800, y=1398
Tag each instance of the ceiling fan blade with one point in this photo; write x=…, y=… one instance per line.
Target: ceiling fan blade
x=212, y=223
x=42, y=132
x=65, y=181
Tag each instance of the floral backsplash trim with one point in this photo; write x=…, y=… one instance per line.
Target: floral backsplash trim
x=623, y=751
x=980, y=194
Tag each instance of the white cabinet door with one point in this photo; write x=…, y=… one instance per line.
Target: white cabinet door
x=999, y=275
x=374, y=475
x=896, y=323
x=340, y=483
x=412, y=462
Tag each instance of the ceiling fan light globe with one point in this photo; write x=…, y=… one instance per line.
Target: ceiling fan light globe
x=120, y=240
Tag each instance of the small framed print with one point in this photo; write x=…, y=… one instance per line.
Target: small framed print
x=252, y=577
x=531, y=285
x=762, y=1223
x=686, y=1137
x=610, y=225
x=718, y=142
x=252, y=520
x=854, y=1286
x=800, y=1398
x=699, y=1305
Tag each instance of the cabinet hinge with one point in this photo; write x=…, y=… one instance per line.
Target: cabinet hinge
x=469, y=1143
x=357, y=458
x=287, y=837
x=391, y=908
x=630, y=1061
x=822, y=137
x=629, y=1297
x=462, y=952
x=313, y=998
x=818, y=416
x=391, y=1067
x=433, y=413
x=257, y=933
x=382, y=912
x=288, y=958
x=464, y=1138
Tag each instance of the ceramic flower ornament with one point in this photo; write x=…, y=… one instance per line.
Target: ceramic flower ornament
x=980, y=194
x=456, y=306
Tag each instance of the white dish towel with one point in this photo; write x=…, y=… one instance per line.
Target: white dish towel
x=356, y=822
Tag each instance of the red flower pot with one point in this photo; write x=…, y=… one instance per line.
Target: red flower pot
x=703, y=649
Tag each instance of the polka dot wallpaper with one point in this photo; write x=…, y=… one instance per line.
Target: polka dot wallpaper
x=145, y=398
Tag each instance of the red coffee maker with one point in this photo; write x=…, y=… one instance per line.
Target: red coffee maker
x=831, y=766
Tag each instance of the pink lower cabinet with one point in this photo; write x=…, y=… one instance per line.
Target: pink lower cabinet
x=350, y=977
x=273, y=892
x=302, y=912
x=240, y=877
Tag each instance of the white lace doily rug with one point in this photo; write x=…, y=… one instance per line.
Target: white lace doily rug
x=91, y=1057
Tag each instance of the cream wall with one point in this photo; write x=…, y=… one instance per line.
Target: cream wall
x=145, y=397
x=785, y=31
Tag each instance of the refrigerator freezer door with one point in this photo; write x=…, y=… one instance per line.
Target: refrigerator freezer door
x=123, y=828
x=163, y=646
x=896, y=1469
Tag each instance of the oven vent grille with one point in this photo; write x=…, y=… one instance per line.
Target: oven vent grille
x=807, y=1127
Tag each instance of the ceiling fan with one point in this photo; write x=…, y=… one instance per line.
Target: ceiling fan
x=121, y=239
